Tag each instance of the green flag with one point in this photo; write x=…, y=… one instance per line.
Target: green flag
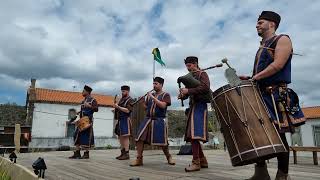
x=157, y=56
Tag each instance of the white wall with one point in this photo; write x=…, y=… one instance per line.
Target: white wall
x=45, y=124
x=307, y=132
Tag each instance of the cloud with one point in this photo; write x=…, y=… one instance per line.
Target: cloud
x=108, y=44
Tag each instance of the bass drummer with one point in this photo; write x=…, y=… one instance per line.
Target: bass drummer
x=85, y=139
x=272, y=71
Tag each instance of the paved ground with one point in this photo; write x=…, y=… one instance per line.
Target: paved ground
x=103, y=165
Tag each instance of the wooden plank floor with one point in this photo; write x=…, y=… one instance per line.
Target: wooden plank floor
x=103, y=165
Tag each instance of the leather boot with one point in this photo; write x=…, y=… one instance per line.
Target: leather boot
x=170, y=160
x=260, y=173
x=125, y=156
x=76, y=155
x=194, y=166
x=122, y=151
x=203, y=162
x=137, y=162
x=85, y=155
x=282, y=176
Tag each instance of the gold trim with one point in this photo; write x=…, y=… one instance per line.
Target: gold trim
x=205, y=124
x=192, y=122
x=143, y=129
x=152, y=126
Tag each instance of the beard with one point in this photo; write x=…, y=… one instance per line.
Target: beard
x=262, y=31
x=156, y=89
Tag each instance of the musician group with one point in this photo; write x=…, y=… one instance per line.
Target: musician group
x=271, y=74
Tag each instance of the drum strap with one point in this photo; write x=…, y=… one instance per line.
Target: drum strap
x=125, y=102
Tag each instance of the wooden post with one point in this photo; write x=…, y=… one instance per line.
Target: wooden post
x=315, y=158
x=294, y=156
x=17, y=136
x=137, y=115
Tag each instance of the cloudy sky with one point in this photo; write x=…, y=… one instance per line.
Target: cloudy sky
x=108, y=43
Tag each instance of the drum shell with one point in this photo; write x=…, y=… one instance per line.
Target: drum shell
x=249, y=134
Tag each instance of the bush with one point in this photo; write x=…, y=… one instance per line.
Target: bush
x=108, y=146
x=4, y=176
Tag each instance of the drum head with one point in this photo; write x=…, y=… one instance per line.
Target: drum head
x=229, y=87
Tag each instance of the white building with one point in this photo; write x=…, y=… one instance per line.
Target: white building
x=309, y=133
x=48, y=111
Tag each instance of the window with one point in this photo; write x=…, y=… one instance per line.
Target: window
x=316, y=135
x=72, y=115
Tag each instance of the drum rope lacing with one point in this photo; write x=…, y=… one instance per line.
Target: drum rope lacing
x=231, y=131
x=244, y=122
x=260, y=118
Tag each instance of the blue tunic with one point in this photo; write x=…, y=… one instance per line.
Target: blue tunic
x=287, y=102
x=124, y=118
x=153, y=129
x=197, y=123
x=85, y=138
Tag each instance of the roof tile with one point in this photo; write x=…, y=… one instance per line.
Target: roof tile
x=67, y=97
x=311, y=112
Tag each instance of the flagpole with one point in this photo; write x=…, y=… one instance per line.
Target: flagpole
x=154, y=69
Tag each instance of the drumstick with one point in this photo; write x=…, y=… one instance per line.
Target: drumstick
x=274, y=106
x=211, y=67
x=225, y=60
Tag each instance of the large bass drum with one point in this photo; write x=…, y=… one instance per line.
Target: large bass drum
x=248, y=132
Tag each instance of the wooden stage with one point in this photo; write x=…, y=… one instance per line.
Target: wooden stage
x=103, y=165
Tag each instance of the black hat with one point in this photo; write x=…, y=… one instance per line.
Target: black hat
x=159, y=80
x=87, y=88
x=191, y=59
x=125, y=87
x=270, y=16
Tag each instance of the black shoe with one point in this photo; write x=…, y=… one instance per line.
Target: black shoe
x=85, y=155
x=76, y=155
x=122, y=152
x=125, y=156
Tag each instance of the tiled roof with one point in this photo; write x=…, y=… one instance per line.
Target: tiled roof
x=311, y=112
x=67, y=97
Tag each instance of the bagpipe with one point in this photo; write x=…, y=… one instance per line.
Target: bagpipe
x=189, y=81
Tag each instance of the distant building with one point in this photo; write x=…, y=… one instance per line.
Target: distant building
x=309, y=133
x=11, y=114
x=48, y=112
